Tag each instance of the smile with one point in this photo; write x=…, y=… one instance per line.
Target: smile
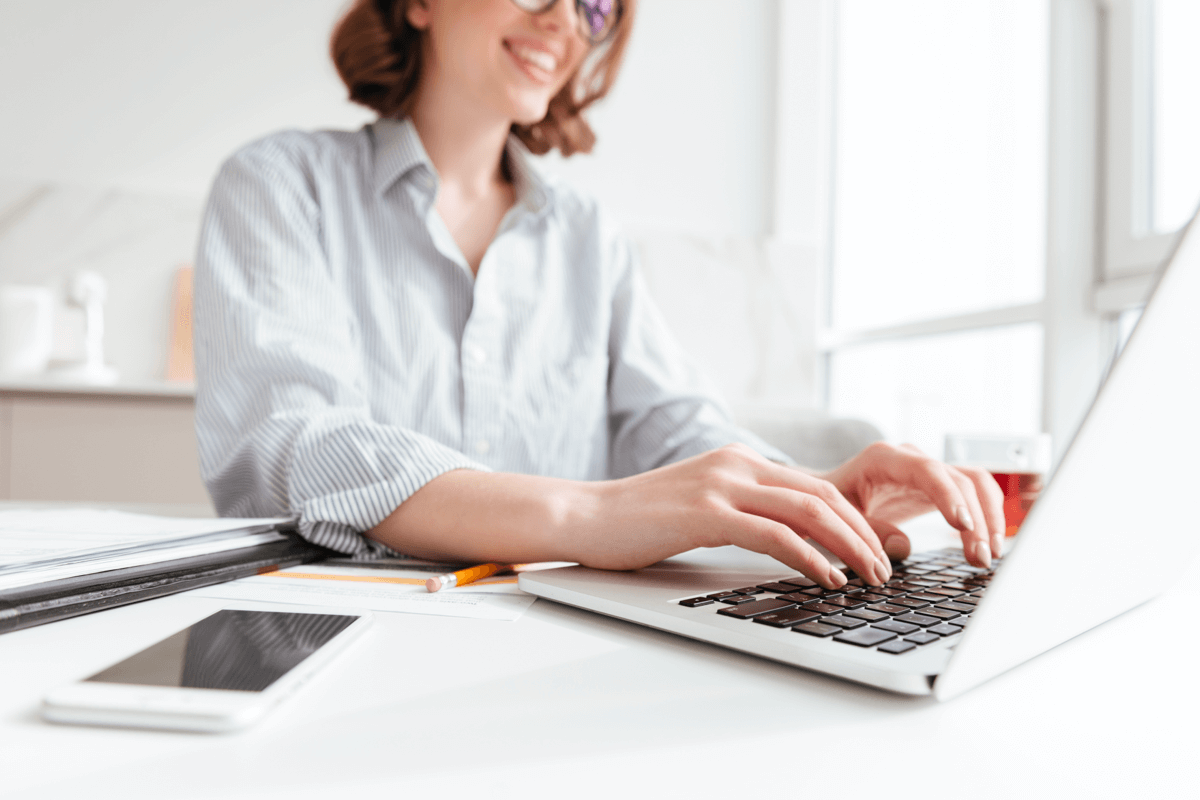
x=543, y=62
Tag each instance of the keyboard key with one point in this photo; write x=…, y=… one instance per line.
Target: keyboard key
x=967, y=599
x=888, y=608
x=940, y=613
x=905, y=586
x=721, y=595
x=944, y=592
x=817, y=629
x=801, y=581
x=844, y=602
x=928, y=598
x=886, y=592
x=918, y=619
x=954, y=605
x=786, y=618
x=871, y=597
x=754, y=608
x=749, y=590
x=908, y=602
x=897, y=647
x=738, y=599
x=944, y=629
x=923, y=584
x=896, y=627
x=778, y=588
x=923, y=638
x=693, y=602
x=822, y=608
x=842, y=621
x=866, y=637
x=958, y=586
x=867, y=614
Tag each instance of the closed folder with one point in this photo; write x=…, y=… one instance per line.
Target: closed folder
x=26, y=606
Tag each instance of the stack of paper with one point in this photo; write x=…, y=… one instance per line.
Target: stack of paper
x=38, y=546
x=56, y=564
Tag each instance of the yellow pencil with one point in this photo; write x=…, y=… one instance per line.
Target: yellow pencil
x=465, y=576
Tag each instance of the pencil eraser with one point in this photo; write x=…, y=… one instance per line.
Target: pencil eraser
x=433, y=584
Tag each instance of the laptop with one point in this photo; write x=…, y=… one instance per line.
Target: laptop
x=943, y=627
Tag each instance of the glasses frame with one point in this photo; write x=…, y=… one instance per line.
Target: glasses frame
x=581, y=8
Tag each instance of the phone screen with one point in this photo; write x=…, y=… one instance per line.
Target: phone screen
x=241, y=651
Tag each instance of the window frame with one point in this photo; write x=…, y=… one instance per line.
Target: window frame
x=1132, y=251
x=1080, y=307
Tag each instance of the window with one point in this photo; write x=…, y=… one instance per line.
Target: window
x=1152, y=124
x=938, y=252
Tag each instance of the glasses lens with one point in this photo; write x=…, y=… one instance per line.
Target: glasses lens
x=598, y=18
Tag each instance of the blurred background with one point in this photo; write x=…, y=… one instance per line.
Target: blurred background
x=939, y=217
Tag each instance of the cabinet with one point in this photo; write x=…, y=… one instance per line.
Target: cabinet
x=133, y=444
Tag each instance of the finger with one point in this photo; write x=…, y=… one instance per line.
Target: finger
x=780, y=542
x=976, y=546
x=909, y=466
x=992, y=500
x=895, y=541
x=812, y=516
x=788, y=478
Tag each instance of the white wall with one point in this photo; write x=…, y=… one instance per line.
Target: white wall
x=150, y=95
x=686, y=138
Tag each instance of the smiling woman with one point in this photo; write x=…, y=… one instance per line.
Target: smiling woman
x=411, y=340
x=378, y=53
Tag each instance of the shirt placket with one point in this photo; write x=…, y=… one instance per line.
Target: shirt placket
x=482, y=362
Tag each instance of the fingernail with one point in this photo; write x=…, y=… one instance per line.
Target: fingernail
x=881, y=572
x=836, y=577
x=964, y=518
x=983, y=553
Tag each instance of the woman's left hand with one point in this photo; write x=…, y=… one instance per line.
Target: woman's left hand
x=889, y=484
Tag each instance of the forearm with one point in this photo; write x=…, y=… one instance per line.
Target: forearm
x=467, y=515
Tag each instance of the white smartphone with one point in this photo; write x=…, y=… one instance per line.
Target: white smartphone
x=220, y=674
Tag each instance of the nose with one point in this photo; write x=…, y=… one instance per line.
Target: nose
x=560, y=17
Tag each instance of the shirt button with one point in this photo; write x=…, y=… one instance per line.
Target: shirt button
x=482, y=447
x=476, y=353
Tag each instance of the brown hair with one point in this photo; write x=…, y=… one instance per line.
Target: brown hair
x=378, y=56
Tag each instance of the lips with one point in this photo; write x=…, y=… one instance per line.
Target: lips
x=539, y=63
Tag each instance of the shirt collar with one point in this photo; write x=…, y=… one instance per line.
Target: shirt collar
x=398, y=151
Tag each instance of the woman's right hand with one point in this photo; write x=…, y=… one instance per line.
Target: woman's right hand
x=729, y=496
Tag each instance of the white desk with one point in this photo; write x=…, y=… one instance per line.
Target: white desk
x=564, y=703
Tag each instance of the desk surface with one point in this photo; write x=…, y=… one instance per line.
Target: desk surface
x=567, y=703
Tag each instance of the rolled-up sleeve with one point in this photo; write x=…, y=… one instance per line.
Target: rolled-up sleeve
x=282, y=415
x=661, y=409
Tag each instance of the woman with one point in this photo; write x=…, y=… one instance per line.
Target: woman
x=412, y=341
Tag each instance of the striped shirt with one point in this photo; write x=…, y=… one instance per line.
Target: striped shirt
x=346, y=355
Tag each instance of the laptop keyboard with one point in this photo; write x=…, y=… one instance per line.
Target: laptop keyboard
x=930, y=598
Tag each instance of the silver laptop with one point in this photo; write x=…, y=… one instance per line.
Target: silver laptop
x=1118, y=493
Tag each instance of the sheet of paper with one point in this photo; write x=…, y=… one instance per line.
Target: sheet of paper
x=398, y=590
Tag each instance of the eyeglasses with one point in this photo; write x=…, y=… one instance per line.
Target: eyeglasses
x=597, y=18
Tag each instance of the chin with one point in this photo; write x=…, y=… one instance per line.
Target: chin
x=528, y=110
